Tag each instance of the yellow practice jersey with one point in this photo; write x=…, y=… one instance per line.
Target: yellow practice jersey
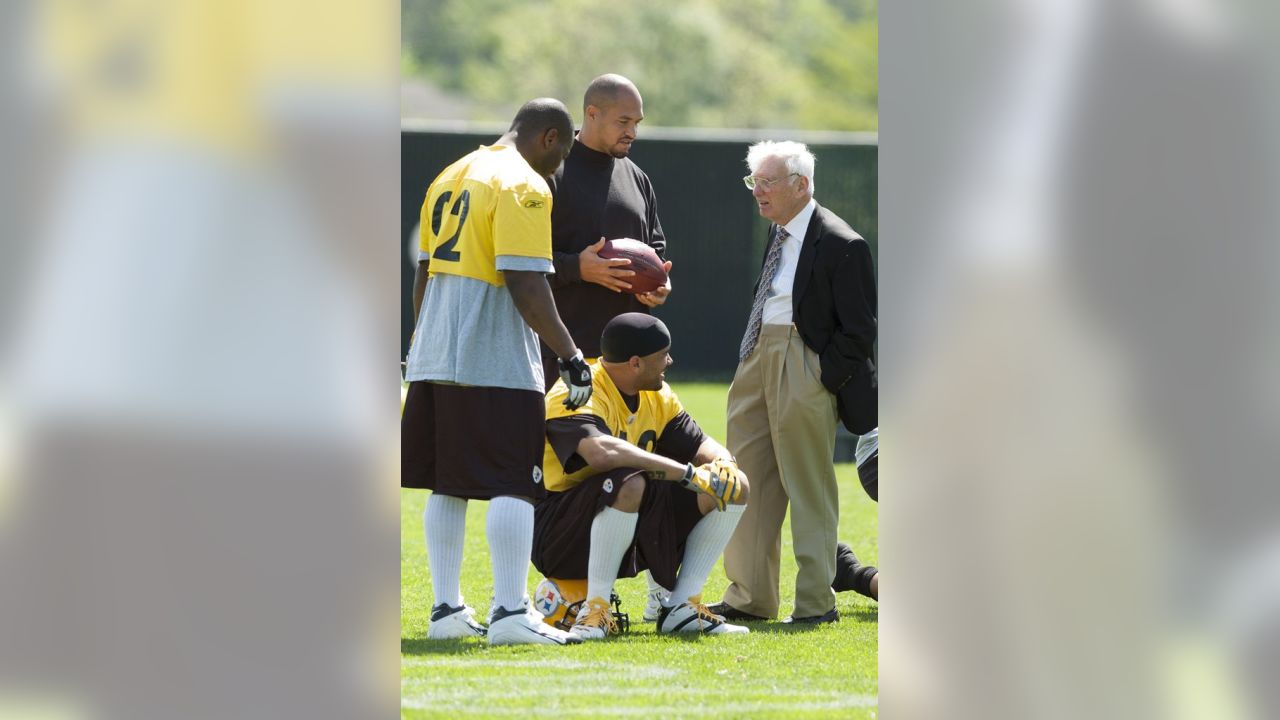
x=489, y=203
x=642, y=428
x=216, y=72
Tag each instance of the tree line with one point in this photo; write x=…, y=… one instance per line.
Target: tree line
x=804, y=64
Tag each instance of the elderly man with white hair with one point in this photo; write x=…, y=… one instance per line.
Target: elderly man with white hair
x=804, y=363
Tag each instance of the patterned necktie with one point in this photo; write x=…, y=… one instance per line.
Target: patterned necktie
x=763, y=292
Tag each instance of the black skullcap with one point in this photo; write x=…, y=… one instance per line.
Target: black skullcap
x=631, y=334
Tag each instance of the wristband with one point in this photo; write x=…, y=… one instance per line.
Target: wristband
x=687, y=479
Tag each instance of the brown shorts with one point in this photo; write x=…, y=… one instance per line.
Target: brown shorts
x=473, y=442
x=562, y=528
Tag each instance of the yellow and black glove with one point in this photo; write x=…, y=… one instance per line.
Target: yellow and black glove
x=721, y=479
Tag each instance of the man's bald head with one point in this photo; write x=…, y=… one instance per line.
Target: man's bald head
x=611, y=111
x=605, y=90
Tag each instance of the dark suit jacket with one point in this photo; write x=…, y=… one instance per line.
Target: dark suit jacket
x=834, y=309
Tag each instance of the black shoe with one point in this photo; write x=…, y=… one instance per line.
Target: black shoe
x=831, y=616
x=729, y=612
x=850, y=574
x=846, y=566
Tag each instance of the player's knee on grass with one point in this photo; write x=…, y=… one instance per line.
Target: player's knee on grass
x=706, y=504
x=630, y=494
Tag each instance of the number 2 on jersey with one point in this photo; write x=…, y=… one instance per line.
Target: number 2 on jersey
x=460, y=208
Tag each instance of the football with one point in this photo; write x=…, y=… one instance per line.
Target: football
x=646, y=264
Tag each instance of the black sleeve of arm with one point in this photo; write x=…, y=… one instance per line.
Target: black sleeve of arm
x=657, y=239
x=854, y=296
x=680, y=439
x=565, y=433
x=565, y=263
x=567, y=269
x=856, y=305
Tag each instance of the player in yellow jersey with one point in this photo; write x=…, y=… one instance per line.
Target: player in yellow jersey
x=619, y=471
x=473, y=420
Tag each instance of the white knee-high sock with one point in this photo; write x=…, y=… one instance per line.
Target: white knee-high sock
x=444, y=523
x=705, y=544
x=611, y=534
x=509, y=528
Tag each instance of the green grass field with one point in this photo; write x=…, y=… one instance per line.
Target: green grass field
x=773, y=672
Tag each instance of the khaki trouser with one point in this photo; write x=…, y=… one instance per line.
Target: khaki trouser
x=782, y=426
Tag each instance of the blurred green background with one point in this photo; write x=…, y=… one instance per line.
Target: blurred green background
x=796, y=64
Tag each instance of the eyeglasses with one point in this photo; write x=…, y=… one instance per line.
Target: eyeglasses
x=765, y=183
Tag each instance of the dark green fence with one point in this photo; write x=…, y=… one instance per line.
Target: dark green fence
x=715, y=237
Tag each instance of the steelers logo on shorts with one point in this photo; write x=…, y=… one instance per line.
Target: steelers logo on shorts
x=608, y=485
x=537, y=475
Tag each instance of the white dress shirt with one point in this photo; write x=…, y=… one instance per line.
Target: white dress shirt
x=777, y=309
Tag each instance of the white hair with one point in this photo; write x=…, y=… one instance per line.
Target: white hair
x=794, y=155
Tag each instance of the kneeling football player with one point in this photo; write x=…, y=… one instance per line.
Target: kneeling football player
x=851, y=574
x=633, y=483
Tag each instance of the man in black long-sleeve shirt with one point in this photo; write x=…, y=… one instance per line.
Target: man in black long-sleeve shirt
x=600, y=193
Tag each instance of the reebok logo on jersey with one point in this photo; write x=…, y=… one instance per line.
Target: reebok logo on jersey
x=533, y=203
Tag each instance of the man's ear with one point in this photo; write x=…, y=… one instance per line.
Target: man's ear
x=549, y=138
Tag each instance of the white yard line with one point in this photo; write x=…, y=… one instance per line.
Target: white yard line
x=539, y=669
x=702, y=705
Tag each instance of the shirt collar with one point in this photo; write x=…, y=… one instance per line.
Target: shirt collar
x=595, y=157
x=799, y=224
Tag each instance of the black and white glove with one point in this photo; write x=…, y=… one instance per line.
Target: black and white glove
x=576, y=374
